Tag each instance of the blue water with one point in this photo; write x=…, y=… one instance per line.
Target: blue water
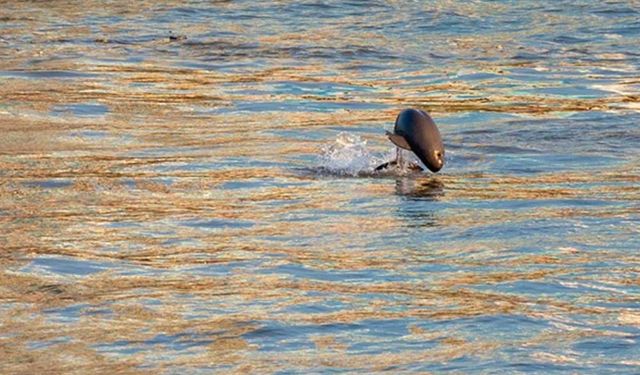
x=189, y=188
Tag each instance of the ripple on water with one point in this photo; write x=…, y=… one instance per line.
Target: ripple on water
x=190, y=188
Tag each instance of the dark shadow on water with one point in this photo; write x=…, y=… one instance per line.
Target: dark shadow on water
x=419, y=195
x=429, y=188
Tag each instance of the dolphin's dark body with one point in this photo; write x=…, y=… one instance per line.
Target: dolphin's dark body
x=415, y=130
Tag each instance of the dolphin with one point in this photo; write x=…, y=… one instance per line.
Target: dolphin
x=415, y=130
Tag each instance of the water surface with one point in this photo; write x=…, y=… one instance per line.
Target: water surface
x=168, y=205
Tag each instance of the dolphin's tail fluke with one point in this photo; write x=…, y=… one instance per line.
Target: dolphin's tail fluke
x=400, y=163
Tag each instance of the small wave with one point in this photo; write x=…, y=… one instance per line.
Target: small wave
x=349, y=155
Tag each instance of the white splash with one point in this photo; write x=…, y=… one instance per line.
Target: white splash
x=349, y=155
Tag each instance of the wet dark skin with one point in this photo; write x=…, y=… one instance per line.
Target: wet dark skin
x=415, y=130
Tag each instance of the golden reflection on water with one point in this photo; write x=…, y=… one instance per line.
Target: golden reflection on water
x=112, y=205
x=70, y=221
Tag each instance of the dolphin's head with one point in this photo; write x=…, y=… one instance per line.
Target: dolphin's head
x=422, y=136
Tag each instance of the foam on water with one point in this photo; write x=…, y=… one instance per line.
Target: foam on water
x=349, y=155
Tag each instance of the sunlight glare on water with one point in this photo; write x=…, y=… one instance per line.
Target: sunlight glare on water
x=189, y=187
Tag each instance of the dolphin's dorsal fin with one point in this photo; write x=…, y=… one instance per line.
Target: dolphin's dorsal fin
x=398, y=140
